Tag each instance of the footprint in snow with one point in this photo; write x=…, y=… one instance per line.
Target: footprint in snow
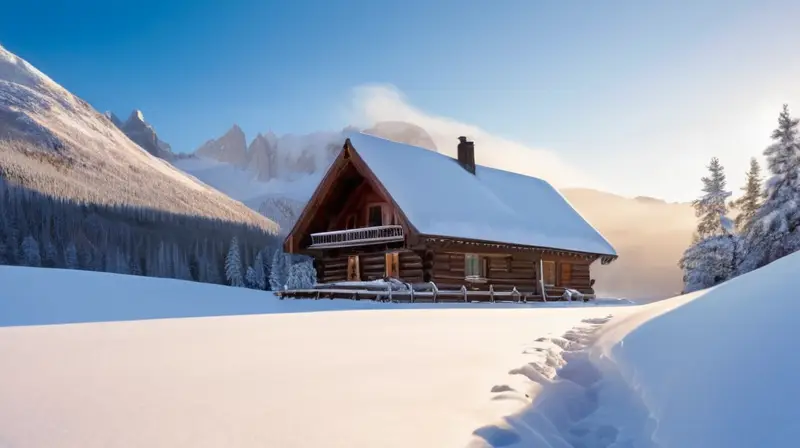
x=497, y=437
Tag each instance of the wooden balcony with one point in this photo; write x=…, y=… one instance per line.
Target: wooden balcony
x=356, y=237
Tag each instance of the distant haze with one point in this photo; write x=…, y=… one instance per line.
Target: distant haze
x=649, y=236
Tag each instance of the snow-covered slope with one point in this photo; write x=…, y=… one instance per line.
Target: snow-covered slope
x=709, y=369
x=54, y=142
x=332, y=373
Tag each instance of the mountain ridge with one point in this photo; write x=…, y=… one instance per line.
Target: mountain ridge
x=58, y=144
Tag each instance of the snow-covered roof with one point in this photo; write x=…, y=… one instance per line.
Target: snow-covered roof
x=439, y=197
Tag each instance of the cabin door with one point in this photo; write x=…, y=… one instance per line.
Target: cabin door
x=393, y=265
x=353, y=270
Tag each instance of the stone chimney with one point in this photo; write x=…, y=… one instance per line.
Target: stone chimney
x=466, y=154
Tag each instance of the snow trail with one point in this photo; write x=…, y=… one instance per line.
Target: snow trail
x=567, y=388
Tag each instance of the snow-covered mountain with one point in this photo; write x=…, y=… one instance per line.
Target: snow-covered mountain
x=143, y=134
x=55, y=143
x=230, y=148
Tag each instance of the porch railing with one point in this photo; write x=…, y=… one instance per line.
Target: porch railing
x=356, y=237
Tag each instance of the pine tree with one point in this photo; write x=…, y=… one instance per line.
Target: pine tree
x=713, y=203
x=233, y=265
x=250, y=280
x=71, y=256
x=774, y=230
x=50, y=255
x=279, y=270
x=708, y=262
x=712, y=257
x=749, y=203
x=259, y=280
x=301, y=276
x=30, y=252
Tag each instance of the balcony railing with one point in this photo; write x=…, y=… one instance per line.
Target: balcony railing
x=356, y=237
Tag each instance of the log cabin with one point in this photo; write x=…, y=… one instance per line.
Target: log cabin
x=387, y=209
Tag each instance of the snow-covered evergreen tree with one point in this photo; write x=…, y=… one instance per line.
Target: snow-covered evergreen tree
x=708, y=262
x=250, y=280
x=30, y=252
x=302, y=276
x=713, y=203
x=136, y=267
x=712, y=257
x=233, y=265
x=255, y=273
x=266, y=264
x=279, y=270
x=750, y=201
x=50, y=259
x=774, y=231
x=71, y=256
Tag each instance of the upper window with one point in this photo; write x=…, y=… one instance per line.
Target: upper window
x=474, y=266
x=375, y=216
x=549, y=272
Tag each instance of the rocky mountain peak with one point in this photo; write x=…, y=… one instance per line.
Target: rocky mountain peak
x=137, y=117
x=113, y=118
x=142, y=133
x=230, y=148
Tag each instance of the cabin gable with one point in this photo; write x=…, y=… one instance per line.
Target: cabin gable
x=348, y=197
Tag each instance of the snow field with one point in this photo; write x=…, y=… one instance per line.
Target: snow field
x=393, y=375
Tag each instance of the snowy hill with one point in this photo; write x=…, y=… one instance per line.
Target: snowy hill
x=333, y=373
x=55, y=143
x=702, y=370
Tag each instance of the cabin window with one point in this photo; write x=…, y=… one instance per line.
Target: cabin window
x=353, y=271
x=566, y=274
x=351, y=222
x=393, y=264
x=474, y=266
x=549, y=273
x=375, y=216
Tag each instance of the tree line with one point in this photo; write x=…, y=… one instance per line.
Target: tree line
x=41, y=230
x=767, y=226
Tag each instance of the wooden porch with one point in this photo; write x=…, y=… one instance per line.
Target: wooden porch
x=399, y=292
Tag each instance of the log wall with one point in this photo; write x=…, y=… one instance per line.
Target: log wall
x=372, y=266
x=520, y=270
x=447, y=270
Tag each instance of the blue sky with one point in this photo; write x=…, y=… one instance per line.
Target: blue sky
x=607, y=87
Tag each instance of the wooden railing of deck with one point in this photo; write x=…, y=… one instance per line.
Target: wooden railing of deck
x=356, y=237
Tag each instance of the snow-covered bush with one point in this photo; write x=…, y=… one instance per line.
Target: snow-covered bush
x=279, y=271
x=302, y=276
x=571, y=294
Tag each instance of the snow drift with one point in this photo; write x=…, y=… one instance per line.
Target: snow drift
x=709, y=369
